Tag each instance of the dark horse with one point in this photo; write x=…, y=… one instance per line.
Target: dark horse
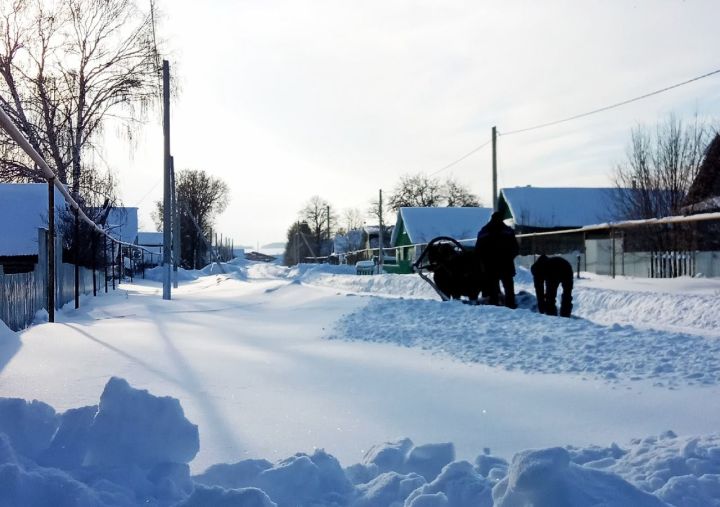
x=457, y=270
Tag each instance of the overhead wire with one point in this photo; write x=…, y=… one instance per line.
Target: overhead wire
x=576, y=116
x=457, y=161
x=609, y=107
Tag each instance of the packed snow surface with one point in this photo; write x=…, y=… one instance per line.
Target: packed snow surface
x=234, y=388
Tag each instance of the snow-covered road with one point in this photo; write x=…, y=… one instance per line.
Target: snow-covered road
x=250, y=359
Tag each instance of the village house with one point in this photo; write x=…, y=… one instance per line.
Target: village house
x=24, y=210
x=416, y=226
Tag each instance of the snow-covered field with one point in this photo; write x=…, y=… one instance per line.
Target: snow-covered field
x=296, y=377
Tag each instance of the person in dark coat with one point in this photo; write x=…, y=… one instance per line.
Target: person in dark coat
x=548, y=274
x=497, y=248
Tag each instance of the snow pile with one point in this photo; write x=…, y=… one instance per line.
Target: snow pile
x=523, y=340
x=620, y=300
x=679, y=470
x=547, y=478
x=133, y=449
x=686, y=312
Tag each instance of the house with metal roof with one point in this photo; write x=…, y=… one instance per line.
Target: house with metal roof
x=415, y=227
x=24, y=210
x=539, y=209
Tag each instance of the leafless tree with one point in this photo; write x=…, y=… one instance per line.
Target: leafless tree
x=352, y=219
x=319, y=216
x=424, y=191
x=416, y=190
x=65, y=69
x=659, y=168
x=653, y=181
x=200, y=197
x=458, y=195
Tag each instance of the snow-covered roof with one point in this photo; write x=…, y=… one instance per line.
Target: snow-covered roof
x=150, y=238
x=122, y=223
x=424, y=224
x=23, y=209
x=559, y=207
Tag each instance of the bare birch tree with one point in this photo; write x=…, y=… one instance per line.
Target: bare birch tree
x=65, y=69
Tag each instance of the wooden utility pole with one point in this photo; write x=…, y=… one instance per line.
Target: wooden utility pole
x=175, y=226
x=51, y=251
x=494, y=170
x=380, y=236
x=167, y=164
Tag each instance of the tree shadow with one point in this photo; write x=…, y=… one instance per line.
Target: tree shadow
x=192, y=384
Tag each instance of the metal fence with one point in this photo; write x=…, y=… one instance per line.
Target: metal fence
x=22, y=295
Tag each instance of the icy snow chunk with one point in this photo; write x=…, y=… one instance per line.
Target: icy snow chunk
x=436, y=500
x=7, y=453
x=403, y=457
x=135, y=427
x=70, y=443
x=361, y=474
x=171, y=480
x=691, y=491
x=236, y=475
x=218, y=497
x=547, y=478
x=390, y=456
x=45, y=486
x=29, y=425
x=389, y=488
x=428, y=460
x=305, y=479
x=485, y=464
x=460, y=484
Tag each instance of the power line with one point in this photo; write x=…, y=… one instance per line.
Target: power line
x=471, y=152
x=612, y=106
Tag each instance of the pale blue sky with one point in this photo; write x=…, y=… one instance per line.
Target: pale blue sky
x=288, y=99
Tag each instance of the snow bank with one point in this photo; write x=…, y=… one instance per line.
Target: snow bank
x=523, y=340
x=547, y=478
x=133, y=449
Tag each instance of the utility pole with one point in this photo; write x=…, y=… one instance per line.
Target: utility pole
x=494, y=170
x=175, y=225
x=297, y=243
x=76, y=252
x=167, y=217
x=51, y=251
x=380, y=236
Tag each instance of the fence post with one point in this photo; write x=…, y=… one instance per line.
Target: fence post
x=59, y=272
x=41, y=280
x=112, y=255
x=105, y=258
x=612, y=234
x=94, y=260
x=51, y=266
